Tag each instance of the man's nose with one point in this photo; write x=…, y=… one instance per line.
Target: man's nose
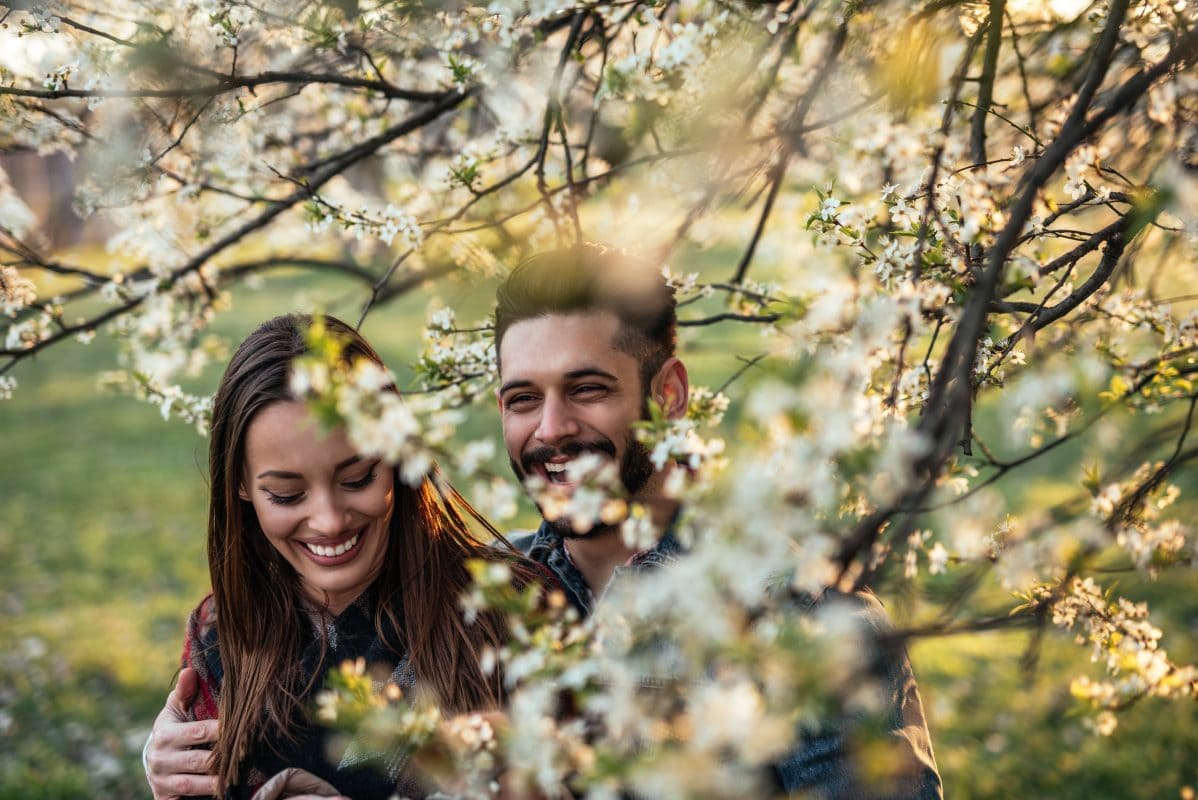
x=329, y=515
x=557, y=422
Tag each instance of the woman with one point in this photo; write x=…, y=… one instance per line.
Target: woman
x=317, y=555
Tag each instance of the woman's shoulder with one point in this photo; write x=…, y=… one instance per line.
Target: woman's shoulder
x=201, y=652
x=201, y=624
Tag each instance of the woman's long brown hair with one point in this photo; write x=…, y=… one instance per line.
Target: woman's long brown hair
x=261, y=616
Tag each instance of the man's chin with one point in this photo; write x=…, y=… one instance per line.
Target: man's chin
x=564, y=529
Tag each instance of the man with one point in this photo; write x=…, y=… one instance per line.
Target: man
x=585, y=339
x=584, y=342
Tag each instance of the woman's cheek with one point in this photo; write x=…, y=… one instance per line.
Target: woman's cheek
x=382, y=501
x=383, y=505
x=275, y=521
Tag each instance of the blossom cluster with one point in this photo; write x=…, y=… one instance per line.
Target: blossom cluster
x=385, y=225
x=408, y=431
x=19, y=291
x=939, y=274
x=1121, y=636
x=460, y=365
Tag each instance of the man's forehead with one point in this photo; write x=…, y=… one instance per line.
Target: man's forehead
x=561, y=342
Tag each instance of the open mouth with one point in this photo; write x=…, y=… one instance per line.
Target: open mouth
x=336, y=551
x=570, y=465
x=557, y=473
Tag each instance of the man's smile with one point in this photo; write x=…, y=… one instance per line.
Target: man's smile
x=555, y=464
x=556, y=471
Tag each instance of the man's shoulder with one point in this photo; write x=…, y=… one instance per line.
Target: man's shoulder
x=522, y=541
x=538, y=545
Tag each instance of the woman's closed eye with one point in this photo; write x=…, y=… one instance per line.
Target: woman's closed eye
x=364, y=481
x=283, y=499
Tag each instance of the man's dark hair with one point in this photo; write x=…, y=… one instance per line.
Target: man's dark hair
x=589, y=277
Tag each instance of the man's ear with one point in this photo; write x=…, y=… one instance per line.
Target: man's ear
x=671, y=388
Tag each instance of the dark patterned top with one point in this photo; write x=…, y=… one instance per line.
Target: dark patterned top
x=350, y=635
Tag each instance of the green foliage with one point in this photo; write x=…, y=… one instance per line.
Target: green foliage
x=1004, y=724
x=103, y=535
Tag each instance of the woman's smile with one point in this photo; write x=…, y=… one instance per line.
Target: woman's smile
x=335, y=552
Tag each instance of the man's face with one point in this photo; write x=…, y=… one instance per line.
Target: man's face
x=565, y=389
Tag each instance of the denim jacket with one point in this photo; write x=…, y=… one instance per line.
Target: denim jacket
x=821, y=765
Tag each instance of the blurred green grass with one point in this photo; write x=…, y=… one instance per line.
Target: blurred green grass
x=103, y=550
x=102, y=537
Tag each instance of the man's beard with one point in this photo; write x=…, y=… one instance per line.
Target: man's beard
x=635, y=471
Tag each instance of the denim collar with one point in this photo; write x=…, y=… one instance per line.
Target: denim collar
x=549, y=548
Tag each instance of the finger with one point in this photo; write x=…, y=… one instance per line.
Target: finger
x=184, y=693
x=182, y=762
x=169, y=737
x=174, y=711
x=184, y=786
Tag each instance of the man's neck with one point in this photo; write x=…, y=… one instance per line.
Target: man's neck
x=597, y=554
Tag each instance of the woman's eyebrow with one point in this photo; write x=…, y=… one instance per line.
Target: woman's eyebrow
x=278, y=473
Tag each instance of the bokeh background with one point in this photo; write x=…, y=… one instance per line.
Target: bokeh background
x=103, y=510
x=102, y=535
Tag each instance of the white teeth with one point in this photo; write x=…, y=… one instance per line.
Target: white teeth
x=331, y=552
x=557, y=472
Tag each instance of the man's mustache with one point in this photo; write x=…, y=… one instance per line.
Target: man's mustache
x=541, y=454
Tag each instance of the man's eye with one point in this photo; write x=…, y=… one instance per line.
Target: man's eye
x=519, y=400
x=590, y=389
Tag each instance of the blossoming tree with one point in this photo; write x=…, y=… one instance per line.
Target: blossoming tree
x=965, y=232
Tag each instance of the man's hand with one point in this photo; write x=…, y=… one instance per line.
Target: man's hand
x=172, y=767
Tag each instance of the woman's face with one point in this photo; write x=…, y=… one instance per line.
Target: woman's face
x=326, y=509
